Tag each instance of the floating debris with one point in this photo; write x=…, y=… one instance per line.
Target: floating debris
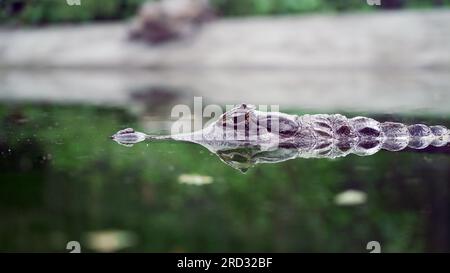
x=195, y=179
x=350, y=198
x=109, y=240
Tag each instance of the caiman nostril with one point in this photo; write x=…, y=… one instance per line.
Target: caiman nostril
x=128, y=137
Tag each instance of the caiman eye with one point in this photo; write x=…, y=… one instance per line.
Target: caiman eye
x=281, y=126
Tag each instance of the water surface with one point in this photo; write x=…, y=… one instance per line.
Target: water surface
x=63, y=179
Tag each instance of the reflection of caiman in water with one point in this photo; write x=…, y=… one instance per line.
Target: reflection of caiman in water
x=243, y=136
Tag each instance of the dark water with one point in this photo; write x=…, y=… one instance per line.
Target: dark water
x=63, y=180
